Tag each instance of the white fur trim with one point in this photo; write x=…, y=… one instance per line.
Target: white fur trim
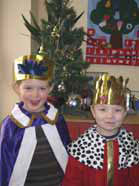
x=24, y=158
x=52, y=112
x=56, y=144
x=20, y=116
x=24, y=120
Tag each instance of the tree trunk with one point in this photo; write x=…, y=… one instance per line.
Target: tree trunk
x=116, y=40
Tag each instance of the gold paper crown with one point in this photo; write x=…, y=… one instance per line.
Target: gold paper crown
x=36, y=66
x=109, y=90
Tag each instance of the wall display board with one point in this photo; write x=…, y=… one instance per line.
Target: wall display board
x=113, y=32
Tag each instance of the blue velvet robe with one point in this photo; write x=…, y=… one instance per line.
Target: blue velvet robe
x=13, y=133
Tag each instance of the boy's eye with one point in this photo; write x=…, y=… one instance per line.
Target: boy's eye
x=43, y=88
x=28, y=88
x=102, y=109
x=118, y=110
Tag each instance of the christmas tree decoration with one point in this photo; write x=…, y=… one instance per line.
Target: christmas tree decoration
x=55, y=33
x=58, y=34
x=108, y=4
x=74, y=104
x=61, y=87
x=74, y=100
x=106, y=17
x=103, y=23
x=119, y=24
x=86, y=103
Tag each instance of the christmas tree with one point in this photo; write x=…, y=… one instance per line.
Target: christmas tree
x=116, y=17
x=62, y=40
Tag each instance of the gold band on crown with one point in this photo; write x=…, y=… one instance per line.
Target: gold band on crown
x=109, y=90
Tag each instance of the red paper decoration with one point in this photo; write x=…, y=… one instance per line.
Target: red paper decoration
x=97, y=51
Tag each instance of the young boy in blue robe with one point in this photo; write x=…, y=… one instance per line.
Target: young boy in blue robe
x=34, y=136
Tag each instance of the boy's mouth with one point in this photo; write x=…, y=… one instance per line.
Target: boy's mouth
x=110, y=123
x=35, y=102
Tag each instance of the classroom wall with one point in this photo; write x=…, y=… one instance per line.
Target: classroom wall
x=16, y=41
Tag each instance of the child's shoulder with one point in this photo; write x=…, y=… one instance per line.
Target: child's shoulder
x=54, y=114
x=125, y=133
x=7, y=123
x=52, y=107
x=6, y=120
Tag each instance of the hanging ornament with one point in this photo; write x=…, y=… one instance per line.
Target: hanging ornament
x=117, y=15
x=129, y=26
x=134, y=14
x=69, y=55
x=86, y=102
x=55, y=33
x=103, y=23
x=64, y=68
x=106, y=17
x=119, y=25
x=74, y=101
x=61, y=87
x=109, y=45
x=108, y=4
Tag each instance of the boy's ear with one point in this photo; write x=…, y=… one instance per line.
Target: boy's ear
x=16, y=88
x=51, y=88
x=92, y=110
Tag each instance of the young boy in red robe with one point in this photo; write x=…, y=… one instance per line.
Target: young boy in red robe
x=106, y=154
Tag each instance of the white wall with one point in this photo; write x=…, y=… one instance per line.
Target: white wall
x=14, y=43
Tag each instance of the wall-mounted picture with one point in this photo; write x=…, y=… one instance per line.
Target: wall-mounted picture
x=113, y=32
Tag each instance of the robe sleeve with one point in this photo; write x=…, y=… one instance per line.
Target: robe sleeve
x=9, y=146
x=63, y=130
x=73, y=175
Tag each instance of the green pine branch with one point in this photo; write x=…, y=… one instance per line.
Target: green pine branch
x=63, y=43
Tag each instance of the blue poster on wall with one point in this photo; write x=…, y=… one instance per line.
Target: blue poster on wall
x=113, y=32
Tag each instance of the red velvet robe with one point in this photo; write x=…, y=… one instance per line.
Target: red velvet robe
x=79, y=174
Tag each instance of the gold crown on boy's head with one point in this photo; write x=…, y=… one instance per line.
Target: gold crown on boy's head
x=37, y=66
x=110, y=90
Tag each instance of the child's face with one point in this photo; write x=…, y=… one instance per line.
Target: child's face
x=33, y=93
x=108, y=118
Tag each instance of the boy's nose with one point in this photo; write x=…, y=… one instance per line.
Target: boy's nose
x=35, y=93
x=110, y=114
